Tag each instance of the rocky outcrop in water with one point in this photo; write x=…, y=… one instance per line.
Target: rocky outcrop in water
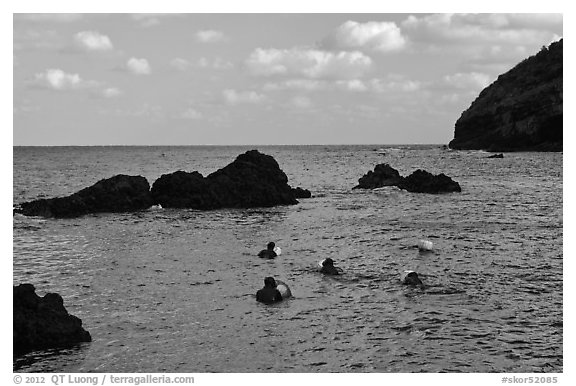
x=521, y=111
x=120, y=193
x=420, y=181
x=252, y=180
x=301, y=193
x=383, y=175
x=43, y=322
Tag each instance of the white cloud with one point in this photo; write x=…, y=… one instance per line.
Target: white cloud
x=210, y=36
x=467, y=81
x=111, y=92
x=93, y=41
x=215, y=64
x=296, y=84
x=138, y=66
x=191, y=114
x=352, y=85
x=371, y=36
x=57, y=79
x=234, y=97
x=180, y=64
x=468, y=29
x=147, y=20
x=310, y=63
x=394, y=84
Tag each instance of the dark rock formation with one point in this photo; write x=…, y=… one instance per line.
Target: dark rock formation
x=418, y=182
x=252, y=180
x=500, y=155
x=184, y=190
x=383, y=175
x=422, y=181
x=301, y=193
x=120, y=193
x=43, y=322
x=521, y=111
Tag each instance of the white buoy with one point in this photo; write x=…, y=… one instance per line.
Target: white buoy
x=284, y=289
x=278, y=251
x=425, y=245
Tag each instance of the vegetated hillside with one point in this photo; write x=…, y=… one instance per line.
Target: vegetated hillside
x=520, y=111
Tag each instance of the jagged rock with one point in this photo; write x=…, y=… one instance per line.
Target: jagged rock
x=252, y=180
x=43, y=322
x=383, y=175
x=184, y=190
x=120, y=193
x=496, y=156
x=301, y=193
x=521, y=111
x=422, y=181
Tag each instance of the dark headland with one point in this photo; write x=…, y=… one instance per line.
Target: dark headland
x=520, y=111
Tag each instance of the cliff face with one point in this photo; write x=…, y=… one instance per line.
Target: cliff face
x=520, y=111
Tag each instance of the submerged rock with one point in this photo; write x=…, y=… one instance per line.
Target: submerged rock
x=422, y=181
x=120, y=193
x=43, y=322
x=252, y=180
x=521, y=111
x=383, y=175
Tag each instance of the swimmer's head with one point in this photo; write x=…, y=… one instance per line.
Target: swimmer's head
x=328, y=262
x=271, y=245
x=269, y=282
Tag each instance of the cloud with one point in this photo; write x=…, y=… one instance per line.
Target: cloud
x=180, y=64
x=93, y=41
x=147, y=20
x=215, y=64
x=138, y=66
x=210, y=36
x=310, y=63
x=467, y=81
x=234, y=97
x=370, y=36
x=296, y=84
x=57, y=79
x=469, y=29
x=191, y=114
x=111, y=92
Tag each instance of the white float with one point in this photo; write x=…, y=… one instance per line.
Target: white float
x=425, y=245
x=284, y=289
x=278, y=251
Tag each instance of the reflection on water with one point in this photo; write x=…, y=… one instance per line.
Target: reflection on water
x=173, y=290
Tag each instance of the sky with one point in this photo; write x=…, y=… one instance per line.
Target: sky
x=253, y=78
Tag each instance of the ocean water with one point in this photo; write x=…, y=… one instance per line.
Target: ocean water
x=174, y=290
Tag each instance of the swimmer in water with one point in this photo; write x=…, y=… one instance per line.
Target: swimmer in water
x=328, y=267
x=269, y=294
x=411, y=278
x=269, y=252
